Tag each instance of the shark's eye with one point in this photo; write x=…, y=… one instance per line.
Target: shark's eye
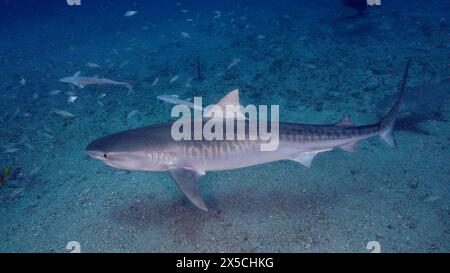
x=105, y=155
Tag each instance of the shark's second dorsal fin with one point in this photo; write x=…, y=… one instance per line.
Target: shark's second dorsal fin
x=78, y=73
x=345, y=122
x=231, y=99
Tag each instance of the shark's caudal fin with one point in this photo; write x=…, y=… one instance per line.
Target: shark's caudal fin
x=128, y=86
x=387, y=123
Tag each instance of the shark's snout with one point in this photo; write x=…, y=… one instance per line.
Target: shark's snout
x=93, y=150
x=96, y=154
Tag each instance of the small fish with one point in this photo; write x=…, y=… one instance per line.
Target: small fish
x=432, y=198
x=174, y=79
x=34, y=171
x=261, y=37
x=92, y=65
x=131, y=114
x=130, y=13
x=47, y=135
x=101, y=104
x=188, y=82
x=123, y=64
x=63, y=113
x=234, y=62
x=184, y=11
x=190, y=20
x=29, y=146
x=155, y=82
x=54, y=92
x=102, y=95
x=186, y=35
x=175, y=99
x=11, y=150
x=71, y=99
x=22, y=81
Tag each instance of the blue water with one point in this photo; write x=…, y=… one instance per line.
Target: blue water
x=297, y=54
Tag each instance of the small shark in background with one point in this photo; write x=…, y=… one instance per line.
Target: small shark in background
x=152, y=148
x=175, y=99
x=82, y=81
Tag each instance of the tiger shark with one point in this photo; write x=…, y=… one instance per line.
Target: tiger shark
x=152, y=148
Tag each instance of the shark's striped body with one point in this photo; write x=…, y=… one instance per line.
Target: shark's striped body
x=152, y=148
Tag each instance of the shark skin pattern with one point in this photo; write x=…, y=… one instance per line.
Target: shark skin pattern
x=152, y=148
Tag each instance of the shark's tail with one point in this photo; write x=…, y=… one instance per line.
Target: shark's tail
x=128, y=86
x=387, y=123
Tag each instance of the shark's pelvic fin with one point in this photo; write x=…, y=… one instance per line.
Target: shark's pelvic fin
x=231, y=99
x=187, y=181
x=305, y=158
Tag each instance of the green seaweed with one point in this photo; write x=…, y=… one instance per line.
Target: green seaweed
x=6, y=171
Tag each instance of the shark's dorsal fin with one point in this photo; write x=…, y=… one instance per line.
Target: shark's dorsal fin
x=77, y=74
x=187, y=181
x=231, y=99
x=345, y=122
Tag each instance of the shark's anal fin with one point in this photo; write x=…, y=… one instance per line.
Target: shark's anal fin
x=187, y=181
x=350, y=147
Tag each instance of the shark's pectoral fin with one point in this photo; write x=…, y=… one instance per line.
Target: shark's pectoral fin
x=187, y=181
